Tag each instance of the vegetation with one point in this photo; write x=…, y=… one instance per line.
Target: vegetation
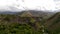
x=27, y=24
x=53, y=24
x=10, y=24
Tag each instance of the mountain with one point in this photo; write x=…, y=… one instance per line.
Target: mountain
x=53, y=23
x=25, y=22
x=35, y=13
x=8, y=12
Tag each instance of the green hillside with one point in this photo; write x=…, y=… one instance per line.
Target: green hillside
x=14, y=24
x=29, y=22
x=53, y=24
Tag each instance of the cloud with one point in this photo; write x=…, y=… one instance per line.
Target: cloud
x=29, y=4
x=38, y=4
x=57, y=2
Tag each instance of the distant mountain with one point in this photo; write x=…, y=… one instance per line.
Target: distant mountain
x=29, y=13
x=53, y=23
x=7, y=12
x=34, y=13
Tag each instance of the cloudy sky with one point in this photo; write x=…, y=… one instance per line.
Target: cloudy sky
x=29, y=4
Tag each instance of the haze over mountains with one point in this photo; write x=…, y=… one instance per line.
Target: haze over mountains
x=33, y=12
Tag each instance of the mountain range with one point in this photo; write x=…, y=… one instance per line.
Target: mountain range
x=40, y=21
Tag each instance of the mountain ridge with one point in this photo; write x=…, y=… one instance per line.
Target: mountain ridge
x=53, y=23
